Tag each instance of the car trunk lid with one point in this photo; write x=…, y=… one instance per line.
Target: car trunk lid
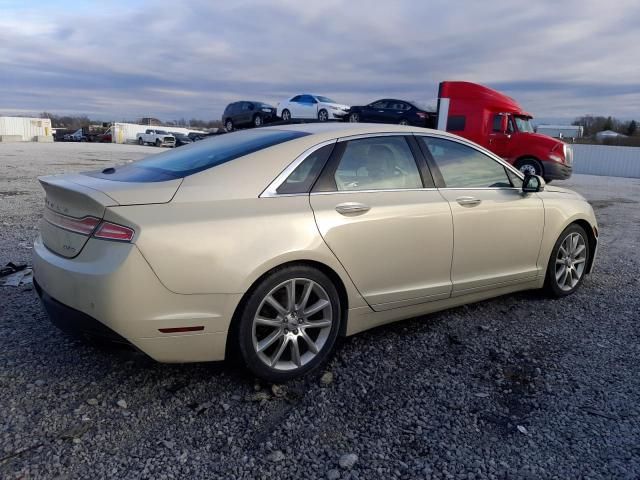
x=76, y=203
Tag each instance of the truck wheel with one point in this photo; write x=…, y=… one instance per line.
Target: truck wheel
x=529, y=166
x=140, y=141
x=158, y=143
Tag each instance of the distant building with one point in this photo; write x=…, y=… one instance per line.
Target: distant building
x=561, y=131
x=150, y=121
x=25, y=129
x=608, y=135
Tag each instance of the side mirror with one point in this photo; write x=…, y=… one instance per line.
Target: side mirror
x=533, y=183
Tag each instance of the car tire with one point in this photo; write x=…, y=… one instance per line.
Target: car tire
x=158, y=142
x=286, y=115
x=323, y=115
x=228, y=125
x=257, y=121
x=140, y=141
x=567, y=265
x=403, y=121
x=354, y=117
x=268, y=335
x=530, y=166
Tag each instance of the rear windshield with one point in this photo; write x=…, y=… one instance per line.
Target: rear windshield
x=199, y=156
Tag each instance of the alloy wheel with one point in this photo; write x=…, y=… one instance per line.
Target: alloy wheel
x=354, y=118
x=286, y=115
x=323, y=116
x=570, y=261
x=528, y=169
x=403, y=122
x=292, y=324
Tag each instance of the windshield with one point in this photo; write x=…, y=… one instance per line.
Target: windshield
x=523, y=124
x=325, y=99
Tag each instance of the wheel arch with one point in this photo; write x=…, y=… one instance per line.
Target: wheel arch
x=591, y=237
x=323, y=267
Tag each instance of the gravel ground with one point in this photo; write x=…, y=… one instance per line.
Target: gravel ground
x=516, y=387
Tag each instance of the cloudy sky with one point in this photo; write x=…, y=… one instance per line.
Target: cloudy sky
x=118, y=59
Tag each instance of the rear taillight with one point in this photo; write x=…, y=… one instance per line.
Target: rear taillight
x=83, y=226
x=113, y=231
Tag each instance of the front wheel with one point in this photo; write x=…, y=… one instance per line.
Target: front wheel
x=529, y=166
x=323, y=115
x=568, y=263
x=354, y=117
x=158, y=142
x=257, y=121
x=289, y=324
x=228, y=126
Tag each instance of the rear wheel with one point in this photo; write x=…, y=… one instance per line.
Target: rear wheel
x=529, y=166
x=404, y=121
x=568, y=263
x=286, y=115
x=354, y=117
x=140, y=141
x=289, y=324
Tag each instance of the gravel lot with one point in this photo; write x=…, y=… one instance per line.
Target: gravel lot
x=516, y=387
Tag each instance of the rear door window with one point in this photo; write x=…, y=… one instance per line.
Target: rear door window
x=304, y=176
x=377, y=163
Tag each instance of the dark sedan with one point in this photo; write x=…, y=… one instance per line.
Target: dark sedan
x=389, y=110
x=181, y=139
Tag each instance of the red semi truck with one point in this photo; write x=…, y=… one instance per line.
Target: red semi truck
x=498, y=123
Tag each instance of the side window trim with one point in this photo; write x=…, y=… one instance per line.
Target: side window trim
x=437, y=175
x=326, y=183
x=272, y=189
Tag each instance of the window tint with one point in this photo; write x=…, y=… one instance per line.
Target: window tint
x=302, y=178
x=246, y=106
x=456, y=123
x=296, y=98
x=380, y=104
x=399, y=106
x=201, y=155
x=497, y=123
x=510, y=127
x=326, y=99
x=377, y=163
x=307, y=99
x=465, y=167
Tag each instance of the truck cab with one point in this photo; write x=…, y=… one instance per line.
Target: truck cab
x=498, y=123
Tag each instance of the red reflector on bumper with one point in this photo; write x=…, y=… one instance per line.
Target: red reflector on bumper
x=181, y=329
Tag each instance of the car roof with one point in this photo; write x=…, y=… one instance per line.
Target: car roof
x=329, y=130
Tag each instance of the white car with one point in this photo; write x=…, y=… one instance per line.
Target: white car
x=308, y=106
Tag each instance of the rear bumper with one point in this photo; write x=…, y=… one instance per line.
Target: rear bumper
x=556, y=171
x=109, y=291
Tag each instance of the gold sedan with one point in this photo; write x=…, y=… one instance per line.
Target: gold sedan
x=269, y=243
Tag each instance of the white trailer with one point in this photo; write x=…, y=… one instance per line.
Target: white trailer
x=25, y=129
x=561, y=131
x=128, y=132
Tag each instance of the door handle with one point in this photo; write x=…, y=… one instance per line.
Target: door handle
x=468, y=201
x=349, y=208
